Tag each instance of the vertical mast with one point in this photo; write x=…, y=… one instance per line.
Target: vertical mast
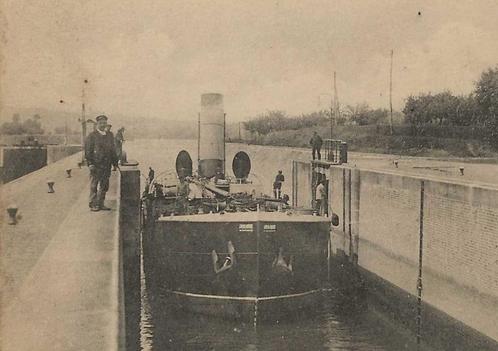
x=65, y=130
x=224, y=142
x=83, y=120
x=331, y=114
x=391, y=93
x=65, y=124
x=336, y=105
x=198, y=142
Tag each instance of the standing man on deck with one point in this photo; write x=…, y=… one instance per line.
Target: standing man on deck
x=316, y=144
x=100, y=154
x=321, y=197
x=277, y=185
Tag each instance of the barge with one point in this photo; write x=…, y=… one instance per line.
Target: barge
x=216, y=245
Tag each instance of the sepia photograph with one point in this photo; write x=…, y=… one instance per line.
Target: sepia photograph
x=249, y=175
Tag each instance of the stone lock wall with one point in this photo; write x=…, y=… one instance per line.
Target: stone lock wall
x=402, y=226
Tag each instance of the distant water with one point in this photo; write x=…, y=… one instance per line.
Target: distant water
x=345, y=322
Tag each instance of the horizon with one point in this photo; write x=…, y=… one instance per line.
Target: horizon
x=155, y=60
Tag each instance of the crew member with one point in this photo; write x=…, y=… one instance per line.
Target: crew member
x=100, y=154
x=277, y=185
x=321, y=197
x=285, y=199
x=151, y=175
x=92, y=124
x=118, y=140
x=218, y=175
x=316, y=144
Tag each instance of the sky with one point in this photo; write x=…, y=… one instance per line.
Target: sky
x=155, y=58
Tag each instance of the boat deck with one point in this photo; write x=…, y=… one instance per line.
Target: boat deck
x=260, y=216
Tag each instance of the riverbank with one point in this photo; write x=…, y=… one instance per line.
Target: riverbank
x=375, y=139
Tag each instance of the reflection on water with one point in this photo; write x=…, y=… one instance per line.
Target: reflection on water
x=344, y=323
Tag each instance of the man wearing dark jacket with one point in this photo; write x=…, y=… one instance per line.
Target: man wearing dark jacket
x=316, y=144
x=277, y=185
x=100, y=154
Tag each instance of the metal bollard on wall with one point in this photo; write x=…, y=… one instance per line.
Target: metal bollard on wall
x=461, y=170
x=12, y=212
x=50, y=184
x=396, y=164
x=68, y=171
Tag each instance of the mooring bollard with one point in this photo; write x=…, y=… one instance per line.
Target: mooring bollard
x=12, y=211
x=68, y=171
x=396, y=164
x=50, y=184
x=462, y=170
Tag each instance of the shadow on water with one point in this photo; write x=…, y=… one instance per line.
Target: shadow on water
x=344, y=322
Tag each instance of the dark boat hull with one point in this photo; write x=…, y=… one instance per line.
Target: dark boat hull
x=247, y=309
x=178, y=261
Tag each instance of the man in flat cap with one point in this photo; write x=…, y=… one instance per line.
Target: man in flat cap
x=100, y=154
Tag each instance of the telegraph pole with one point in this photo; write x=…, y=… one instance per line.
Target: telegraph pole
x=331, y=115
x=65, y=123
x=391, y=92
x=83, y=120
x=334, y=108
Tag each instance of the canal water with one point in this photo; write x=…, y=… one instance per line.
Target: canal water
x=344, y=321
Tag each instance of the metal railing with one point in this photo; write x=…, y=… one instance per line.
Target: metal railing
x=335, y=151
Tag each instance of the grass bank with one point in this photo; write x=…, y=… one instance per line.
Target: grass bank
x=374, y=140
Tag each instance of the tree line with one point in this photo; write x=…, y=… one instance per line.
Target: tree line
x=477, y=110
x=273, y=121
x=30, y=126
x=16, y=126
